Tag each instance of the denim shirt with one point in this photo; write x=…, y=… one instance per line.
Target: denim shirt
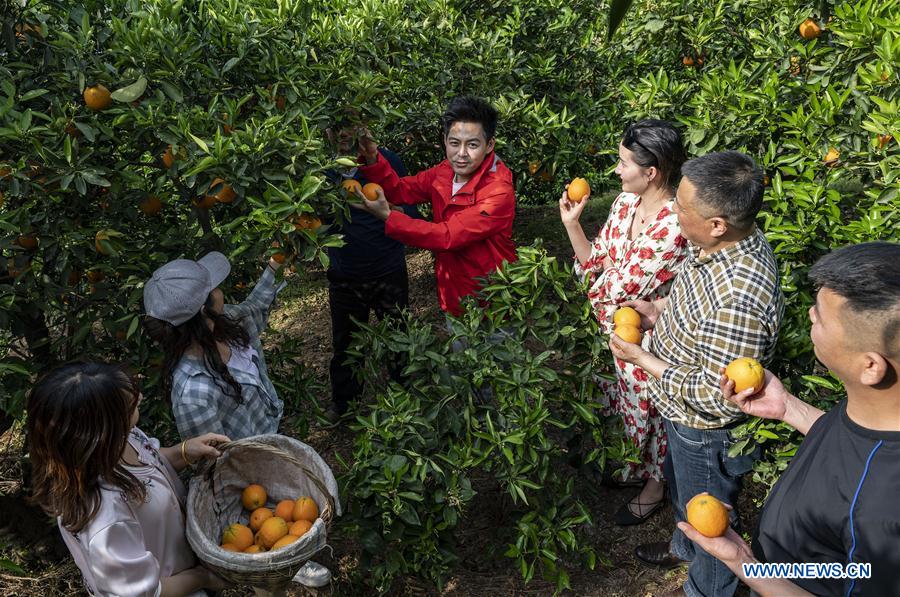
x=199, y=404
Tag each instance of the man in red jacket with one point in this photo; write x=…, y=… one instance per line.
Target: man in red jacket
x=471, y=195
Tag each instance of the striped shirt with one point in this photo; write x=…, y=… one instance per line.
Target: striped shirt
x=198, y=402
x=722, y=306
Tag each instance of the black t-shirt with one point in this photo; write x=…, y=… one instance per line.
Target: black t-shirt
x=367, y=253
x=807, y=516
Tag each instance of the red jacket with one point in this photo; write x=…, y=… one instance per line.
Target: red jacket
x=471, y=232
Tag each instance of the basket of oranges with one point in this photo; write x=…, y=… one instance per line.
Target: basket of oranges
x=261, y=510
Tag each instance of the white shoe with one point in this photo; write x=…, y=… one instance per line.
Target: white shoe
x=313, y=575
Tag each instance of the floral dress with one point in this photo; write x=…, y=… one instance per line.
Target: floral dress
x=641, y=269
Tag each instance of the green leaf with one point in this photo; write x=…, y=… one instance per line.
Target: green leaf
x=131, y=92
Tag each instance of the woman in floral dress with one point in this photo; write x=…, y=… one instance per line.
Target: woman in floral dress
x=636, y=255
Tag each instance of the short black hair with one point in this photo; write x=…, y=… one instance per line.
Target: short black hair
x=867, y=275
x=467, y=108
x=656, y=144
x=868, y=278
x=728, y=183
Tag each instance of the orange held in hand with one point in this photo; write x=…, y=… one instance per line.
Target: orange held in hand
x=238, y=535
x=306, y=509
x=371, y=191
x=629, y=333
x=350, y=186
x=745, y=373
x=578, y=189
x=253, y=497
x=708, y=515
x=627, y=316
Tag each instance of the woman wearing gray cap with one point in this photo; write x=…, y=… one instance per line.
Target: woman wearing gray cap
x=213, y=367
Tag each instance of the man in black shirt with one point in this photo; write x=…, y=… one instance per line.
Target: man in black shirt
x=837, y=502
x=367, y=274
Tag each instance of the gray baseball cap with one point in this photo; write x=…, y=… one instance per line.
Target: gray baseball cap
x=176, y=291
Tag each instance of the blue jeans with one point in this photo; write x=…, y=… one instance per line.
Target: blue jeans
x=697, y=461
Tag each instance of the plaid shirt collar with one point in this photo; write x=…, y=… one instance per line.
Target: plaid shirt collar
x=748, y=244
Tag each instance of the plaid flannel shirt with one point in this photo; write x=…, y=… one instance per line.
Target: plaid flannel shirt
x=199, y=404
x=722, y=306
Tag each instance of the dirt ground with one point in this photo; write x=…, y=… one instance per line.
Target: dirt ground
x=482, y=569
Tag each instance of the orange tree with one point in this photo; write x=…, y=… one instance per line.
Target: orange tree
x=130, y=134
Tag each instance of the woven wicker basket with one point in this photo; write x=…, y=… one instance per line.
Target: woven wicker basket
x=287, y=468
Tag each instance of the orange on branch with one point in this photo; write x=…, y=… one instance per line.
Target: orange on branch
x=97, y=97
x=150, y=205
x=350, y=187
x=221, y=191
x=809, y=29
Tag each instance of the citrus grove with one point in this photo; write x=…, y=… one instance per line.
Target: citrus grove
x=133, y=132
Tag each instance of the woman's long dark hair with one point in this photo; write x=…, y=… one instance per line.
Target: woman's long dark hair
x=174, y=340
x=79, y=417
x=657, y=144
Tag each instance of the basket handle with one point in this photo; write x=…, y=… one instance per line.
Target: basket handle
x=262, y=447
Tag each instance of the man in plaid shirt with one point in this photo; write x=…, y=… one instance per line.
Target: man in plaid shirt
x=726, y=303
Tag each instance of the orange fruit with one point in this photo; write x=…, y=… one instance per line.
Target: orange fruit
x=97, y=97
x=285, y=510
x=745, y=373
x=168, y=157
x=286, y=540
x=101, y=236
x=253, y=497
x=371, y=191
x=95, y=276
x=708, y=515
x=350, y=187
x=29, y=242
x=259, y=516
x=627, y=316
x=229, y=547
x=151, y=205
x=629, y=333
x=687, y=60
x=205, y=202
x=884, y=140
x=533, y=167
x=578, y=190
x=271, y=531
x=225, y=194
x=306, y=222
x=546, y=175
x=238, y=535
x=831, y=158
x=300, y=528
x=809, y=29
x=305, y=508
x=255, y=549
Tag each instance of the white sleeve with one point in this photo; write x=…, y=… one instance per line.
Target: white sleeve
x=121, y=564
